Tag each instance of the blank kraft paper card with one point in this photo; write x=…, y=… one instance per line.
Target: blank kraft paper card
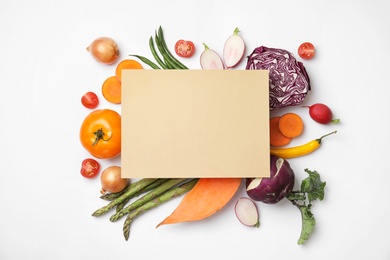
x=195, y=123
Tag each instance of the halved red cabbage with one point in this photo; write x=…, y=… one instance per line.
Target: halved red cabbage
x=289, y=82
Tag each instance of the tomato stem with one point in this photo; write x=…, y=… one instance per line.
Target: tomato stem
x=99, y=135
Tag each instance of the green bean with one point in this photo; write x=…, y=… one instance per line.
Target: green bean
x=155, y=55
x=168, y=62
x=147, y=61
x=164, y=45
x=167, y=58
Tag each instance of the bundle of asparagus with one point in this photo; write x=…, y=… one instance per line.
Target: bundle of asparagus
x=156, y=192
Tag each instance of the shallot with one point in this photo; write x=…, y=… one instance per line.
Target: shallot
x=112, y=181
x=210, y=60
x=104, y=50
x=246, y=212
x=233, y=50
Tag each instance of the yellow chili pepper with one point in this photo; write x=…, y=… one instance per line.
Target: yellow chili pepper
x=301, y=150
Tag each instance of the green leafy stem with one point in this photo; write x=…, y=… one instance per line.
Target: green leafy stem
x=312, y=188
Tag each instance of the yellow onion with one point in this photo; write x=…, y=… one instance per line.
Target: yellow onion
x=111, y=180
x=104, y=50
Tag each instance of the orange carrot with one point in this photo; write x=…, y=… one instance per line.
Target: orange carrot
x=291, y=125
x=111, y=90
x=277, y=139
x=208, y=196
x=126, y=64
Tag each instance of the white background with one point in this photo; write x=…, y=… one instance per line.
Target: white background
x=46, y=205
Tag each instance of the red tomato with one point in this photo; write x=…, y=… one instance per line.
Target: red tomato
x=306, y=50
x=90, y=100
x=89, y=168
x=184, y=48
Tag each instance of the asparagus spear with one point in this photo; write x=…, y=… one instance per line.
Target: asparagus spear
x=150, y=187
x=112, y=196
x=133, y=189
x=149, y=196
x=164, y=197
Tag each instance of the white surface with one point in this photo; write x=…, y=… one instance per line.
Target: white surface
x=46, y=205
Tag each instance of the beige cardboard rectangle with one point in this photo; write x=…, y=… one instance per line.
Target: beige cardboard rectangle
x=195, y=123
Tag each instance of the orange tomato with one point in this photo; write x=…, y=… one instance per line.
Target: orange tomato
x=100, y=133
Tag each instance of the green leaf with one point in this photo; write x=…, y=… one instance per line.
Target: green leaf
x=308, y=223
x=313, y=186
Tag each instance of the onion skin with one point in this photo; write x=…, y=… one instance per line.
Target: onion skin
x=273, y=189
x=111, y=180
x=104, y=50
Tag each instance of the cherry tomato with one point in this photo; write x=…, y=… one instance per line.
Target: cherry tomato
x=90, y=100
x=184, y=48
x=100, y=133
x=89, y=168
x=306, y=50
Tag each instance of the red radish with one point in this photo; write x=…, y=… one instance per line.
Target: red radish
x=233, y=50
x=210, y=60
x=246, y=212
x=322, y=114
